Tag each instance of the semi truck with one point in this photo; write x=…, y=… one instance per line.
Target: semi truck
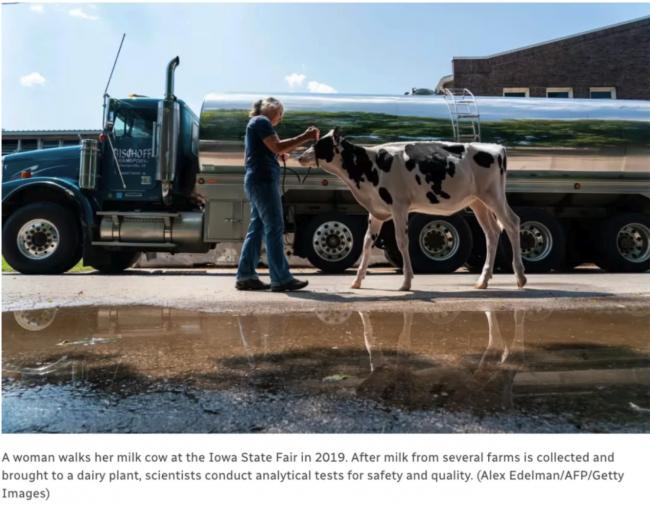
x=161, y=179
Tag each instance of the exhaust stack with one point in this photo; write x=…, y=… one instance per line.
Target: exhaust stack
x=168, y=132
x=169, y=84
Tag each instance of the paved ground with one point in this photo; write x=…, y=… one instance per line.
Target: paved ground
x=213, y=291
x=99, y=354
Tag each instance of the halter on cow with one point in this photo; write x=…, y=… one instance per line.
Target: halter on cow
x=441, y=178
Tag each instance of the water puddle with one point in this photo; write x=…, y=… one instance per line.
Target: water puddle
x=153, y=369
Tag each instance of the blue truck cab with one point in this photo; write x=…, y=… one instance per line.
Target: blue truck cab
x=108, y=199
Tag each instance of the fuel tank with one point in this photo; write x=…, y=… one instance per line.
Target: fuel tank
x=540, y=133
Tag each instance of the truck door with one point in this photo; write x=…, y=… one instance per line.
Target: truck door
x=133, y=138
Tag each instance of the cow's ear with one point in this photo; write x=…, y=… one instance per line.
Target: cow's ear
x=337, y=134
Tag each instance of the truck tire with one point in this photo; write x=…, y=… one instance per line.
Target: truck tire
x=623, y=243
x=576, y=240
x=41, y=238
x=543, y=242
x=393, y=256
x=333, y=242
x=476, y=259
x=118, y=262
x=439, y=244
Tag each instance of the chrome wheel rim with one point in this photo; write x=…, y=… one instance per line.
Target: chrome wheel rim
x=536, y=241
x=439, y=240
x=333, y=241
x=633, y=242
x=38, y=239
x=35, y=320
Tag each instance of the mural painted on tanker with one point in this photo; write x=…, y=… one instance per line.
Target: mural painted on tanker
x=376, y=128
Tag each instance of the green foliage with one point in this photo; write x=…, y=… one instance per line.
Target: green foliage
x=79, y=267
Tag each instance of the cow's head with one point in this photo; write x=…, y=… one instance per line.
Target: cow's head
x=327, y=150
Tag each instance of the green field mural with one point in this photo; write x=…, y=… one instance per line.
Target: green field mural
x=375, y=128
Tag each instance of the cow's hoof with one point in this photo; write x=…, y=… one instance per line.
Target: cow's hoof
x=405, y=287
x=521, y=281
x=356, y=285
x=481, y=284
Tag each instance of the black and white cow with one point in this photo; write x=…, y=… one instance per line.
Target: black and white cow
x=439, y=178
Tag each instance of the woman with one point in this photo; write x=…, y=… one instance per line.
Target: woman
x=262, y=186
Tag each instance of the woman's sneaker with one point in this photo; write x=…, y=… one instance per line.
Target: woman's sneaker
x=251, y=285
x=292, y=285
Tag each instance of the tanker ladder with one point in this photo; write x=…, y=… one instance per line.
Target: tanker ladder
x=465, y=117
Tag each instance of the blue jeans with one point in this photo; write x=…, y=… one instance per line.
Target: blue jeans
x=266, y=222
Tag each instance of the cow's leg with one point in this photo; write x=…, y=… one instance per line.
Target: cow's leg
x=491, y=231
x=400, y=220
x=510, y=222
x=369, y=342
x=511, y=225
x=374, y=225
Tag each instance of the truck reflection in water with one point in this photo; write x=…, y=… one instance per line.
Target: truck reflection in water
x=578, y=370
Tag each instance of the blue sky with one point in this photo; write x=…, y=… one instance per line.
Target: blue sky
x=56, y=57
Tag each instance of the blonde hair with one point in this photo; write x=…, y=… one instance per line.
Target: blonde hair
x=261, y=106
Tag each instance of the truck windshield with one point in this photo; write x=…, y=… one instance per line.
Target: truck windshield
x=133, y=124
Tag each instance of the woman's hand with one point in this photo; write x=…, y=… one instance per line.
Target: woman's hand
x=311, y=133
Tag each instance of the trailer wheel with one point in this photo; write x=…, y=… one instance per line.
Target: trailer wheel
x=476, y=259
x=439, y=244
x=41, y=238
x=333, y=242
x=118, y=262
x=543, y=242
x=624, y=243
x=393, y=256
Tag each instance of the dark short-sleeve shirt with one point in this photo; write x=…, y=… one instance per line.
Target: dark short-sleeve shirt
x=261, y=164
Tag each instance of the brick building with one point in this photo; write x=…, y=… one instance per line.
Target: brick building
x=610, y=62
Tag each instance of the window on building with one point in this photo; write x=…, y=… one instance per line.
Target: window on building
x=9, y=146
x=48, y=144
x=559, y=92
x=29, y=144
x=516, y=92
x=602, y=92
x=71, y=142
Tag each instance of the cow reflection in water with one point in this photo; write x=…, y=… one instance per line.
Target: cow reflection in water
x=482, y=384
x=399, y=377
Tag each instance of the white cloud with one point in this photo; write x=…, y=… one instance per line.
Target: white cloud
x=38, y=8
x=319, y=87
x=79, y=13
x=295, y=80
x=32, y=79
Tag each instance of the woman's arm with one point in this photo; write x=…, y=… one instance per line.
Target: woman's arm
x=278, y=146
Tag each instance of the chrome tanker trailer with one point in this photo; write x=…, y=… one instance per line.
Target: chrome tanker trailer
x=162, y=179
x=579, y=177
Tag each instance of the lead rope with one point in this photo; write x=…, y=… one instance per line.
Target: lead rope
x=304, y=179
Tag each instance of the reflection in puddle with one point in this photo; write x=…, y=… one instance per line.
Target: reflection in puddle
x=161, y=369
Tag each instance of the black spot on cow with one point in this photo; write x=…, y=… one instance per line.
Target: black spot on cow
x=457, y=149
x=433, y=165
x=432, y=198
x=384, y=160
x=385, y=196
x=324, y=149
x=358, y=165
x=374, y=237
x=484, y=159
x=418, y=180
